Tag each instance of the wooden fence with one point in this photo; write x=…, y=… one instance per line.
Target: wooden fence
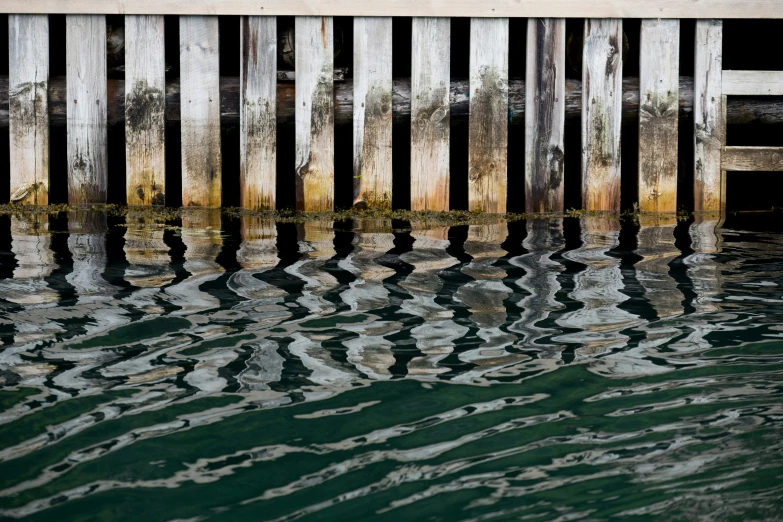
x=373, y=99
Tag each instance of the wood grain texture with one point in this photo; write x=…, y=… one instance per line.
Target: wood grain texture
x=488, y=126
x=708, y=116
x=545, y=102
x=258, y=113
x=752, y=83
x=85, y=54
x=659, y=83
x=145, y=110
x=461, y=8
x=750, y=159
x=200, y=109
x=430, y=118
x=372, y=112
x=28, y=108
x=602, y=71
x=314, y=113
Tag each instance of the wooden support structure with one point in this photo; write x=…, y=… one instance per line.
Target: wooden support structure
x=372, y=112
x=85, y=51
x=28, y=108
x=545, y=101
x=200, y=107
x=258, y=113
x=750, y=159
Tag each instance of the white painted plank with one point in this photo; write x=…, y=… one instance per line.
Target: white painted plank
x=314, y=113
x=85, y=54
x=545, y=101
x=145, y=110
x=708, y=116
x=659, y=87
x=430, y=114
x=372, y=112
x=752, y=83
x=28, y=108
x=488, y=126
x=200, y=109
x=258, y=112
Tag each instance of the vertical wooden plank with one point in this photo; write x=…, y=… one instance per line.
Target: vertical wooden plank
x=430, y=114
x=28, y=108
x=488, y=126
x=602, y=75
x=659, y=96
x=145, y=110
x=709, y=132
x=314, y=113
x=200, y=111
x=258, y=113
x=372, y=112
x=85, y=51
x=544, y=115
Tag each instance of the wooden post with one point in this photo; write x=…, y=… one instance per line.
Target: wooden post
x=488, y=126
x=545, y=100
x=258, y=113
x=145, y=110
x=430, y=114
x=372, y=112
x=200, y=107
x=85, y=52
x=314, y=113
x=602, y=74
x=659, y=88
x=708, y=117
x=28, y=108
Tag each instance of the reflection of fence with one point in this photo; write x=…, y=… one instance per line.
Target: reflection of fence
x=199, y=99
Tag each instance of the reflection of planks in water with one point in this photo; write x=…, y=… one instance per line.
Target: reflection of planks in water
x=435, y=337
x=655, y=244
x=600, y=320
x=316, y=242
x=87, y=243
x=31, y=246
x=147, y=254
x=544, y=238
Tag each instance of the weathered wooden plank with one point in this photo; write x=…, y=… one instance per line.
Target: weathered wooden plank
x=545, y=102
x=659, y=84
x=200, y=108
x=752, y=83
x=145, y=110
x=372, y=112
x=258, y=113
x=28, y=110
x=488, y=126
x=602, y=71
x=430, y=119
x=314, y=113
x=461, y=8
x=751, y=159
x=709, y=124
x=85, y=54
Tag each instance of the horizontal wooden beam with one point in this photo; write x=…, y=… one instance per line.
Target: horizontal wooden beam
x=752, y=83
x=740, y=110
x=449, y=8
x=752, y=159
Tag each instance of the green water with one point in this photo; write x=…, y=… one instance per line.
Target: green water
x=222, y=368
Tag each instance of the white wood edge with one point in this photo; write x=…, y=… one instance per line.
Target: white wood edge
x=752, y=83
x=752, y=159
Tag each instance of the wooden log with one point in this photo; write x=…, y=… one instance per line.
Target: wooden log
x=752, y=83
x=85, y=52
x=752, y=159
x=200, y=109
x=28, y=111
x=488, y=126
x=372, y=112
x=659, y=72
x=708, y=117
x=430, y=120
x=545, y=102
x=258, y=113
x=314, y=113
x=145, y=111
x=602, y=72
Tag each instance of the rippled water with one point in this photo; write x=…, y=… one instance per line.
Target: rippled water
x=238, y=369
